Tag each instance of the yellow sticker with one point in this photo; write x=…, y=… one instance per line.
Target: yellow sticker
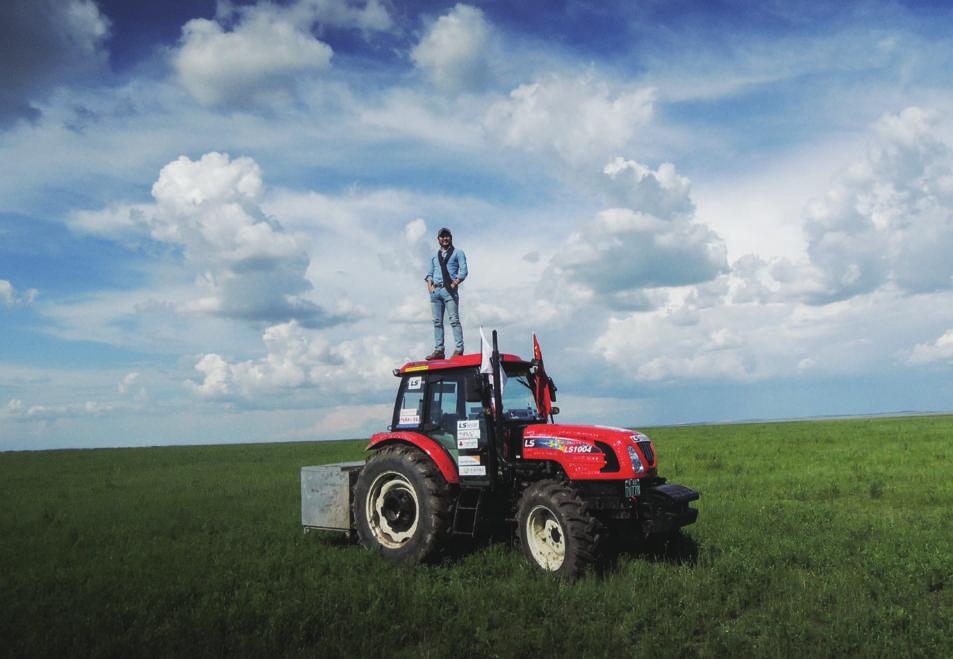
x=416, y=368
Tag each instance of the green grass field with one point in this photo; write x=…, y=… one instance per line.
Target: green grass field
x=814, y=538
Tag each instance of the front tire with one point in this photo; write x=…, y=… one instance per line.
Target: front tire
x=556, y=531
x=401, y=505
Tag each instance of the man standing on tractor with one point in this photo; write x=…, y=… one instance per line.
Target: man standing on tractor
x=448, y=269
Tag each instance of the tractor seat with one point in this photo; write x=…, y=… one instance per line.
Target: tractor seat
x=448, y=423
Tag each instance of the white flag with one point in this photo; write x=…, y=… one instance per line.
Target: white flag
x=486, y=362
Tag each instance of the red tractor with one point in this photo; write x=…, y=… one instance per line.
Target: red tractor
x=468, y=451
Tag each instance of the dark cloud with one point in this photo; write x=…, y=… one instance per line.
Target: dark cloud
x=44, y=43
x=649, y=239
x=254, y=299
x=623, y=250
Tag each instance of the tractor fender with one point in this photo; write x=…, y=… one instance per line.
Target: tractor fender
x=440, y=457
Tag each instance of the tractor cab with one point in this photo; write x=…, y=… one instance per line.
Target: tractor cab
x=453, y=403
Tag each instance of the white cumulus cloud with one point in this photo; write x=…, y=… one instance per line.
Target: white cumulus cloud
x=127, y=382
x=453, y=51
x=10, y=298
x=296, y=358
x=889, y=217
x=579, y=120
x=411, y=252
x=130, y=385
x=757, y=280
x=246, y=265
x=939, y=350
x=48, y=413
x=656, y=347
x=251, y=64
x=664, y=192
x=255, y=55
x=886, y=220
x=211, y=208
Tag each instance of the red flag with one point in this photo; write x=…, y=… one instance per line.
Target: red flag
x=543, y=400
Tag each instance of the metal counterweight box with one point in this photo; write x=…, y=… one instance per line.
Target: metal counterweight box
x=326, y=495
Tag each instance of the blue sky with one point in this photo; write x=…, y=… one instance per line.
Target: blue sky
x=215, y=217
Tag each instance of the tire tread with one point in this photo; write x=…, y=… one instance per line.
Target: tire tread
x=434, y=498
x=583, y=530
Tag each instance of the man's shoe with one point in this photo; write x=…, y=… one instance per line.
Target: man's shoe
x=456, y=353
x=436, y=354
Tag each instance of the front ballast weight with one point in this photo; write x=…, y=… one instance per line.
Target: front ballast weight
x=458, y=461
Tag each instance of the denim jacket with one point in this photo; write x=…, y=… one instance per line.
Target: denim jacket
x=456, y=266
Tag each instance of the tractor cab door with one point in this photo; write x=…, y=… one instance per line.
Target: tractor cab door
x=443, y=410
x=455, y=419
x=448, y=407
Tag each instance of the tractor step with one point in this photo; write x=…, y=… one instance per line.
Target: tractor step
x=466, y=514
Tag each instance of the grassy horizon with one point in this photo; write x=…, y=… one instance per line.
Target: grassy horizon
x=814, y=537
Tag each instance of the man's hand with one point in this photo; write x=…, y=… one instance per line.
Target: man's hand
x=455, y=283
x=429, y=286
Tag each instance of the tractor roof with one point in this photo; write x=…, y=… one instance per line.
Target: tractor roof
x=464, y=361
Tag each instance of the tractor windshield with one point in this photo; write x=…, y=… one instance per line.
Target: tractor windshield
x=519, y=402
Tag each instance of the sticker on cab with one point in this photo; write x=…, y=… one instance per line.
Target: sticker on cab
x=468, y=429
x=469, y=465
x=408, y=418
x=414, y=382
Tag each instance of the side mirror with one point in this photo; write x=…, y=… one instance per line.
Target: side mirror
x=474, y=385
x=554, y=410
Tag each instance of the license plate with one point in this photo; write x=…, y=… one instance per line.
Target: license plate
x=632, y=487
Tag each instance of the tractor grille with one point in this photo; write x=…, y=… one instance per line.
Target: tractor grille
x=646, y=448
x=612, y=462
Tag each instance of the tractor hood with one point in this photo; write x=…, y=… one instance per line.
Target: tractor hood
x=585, y=433
x=591, y=452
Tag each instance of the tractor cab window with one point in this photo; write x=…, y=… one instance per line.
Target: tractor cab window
x=443, y=412
x=519, y=402
x=410, y=407
x=473, y=411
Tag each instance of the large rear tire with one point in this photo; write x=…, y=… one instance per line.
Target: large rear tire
x=402, y=505
x=556, y=531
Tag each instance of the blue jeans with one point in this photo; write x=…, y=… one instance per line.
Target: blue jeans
x=441, y=299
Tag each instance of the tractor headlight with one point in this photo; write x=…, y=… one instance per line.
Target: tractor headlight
x=636, y=460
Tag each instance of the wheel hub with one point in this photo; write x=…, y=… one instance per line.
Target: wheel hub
x=544, y=535
x=399, y=509
x=392, y=509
